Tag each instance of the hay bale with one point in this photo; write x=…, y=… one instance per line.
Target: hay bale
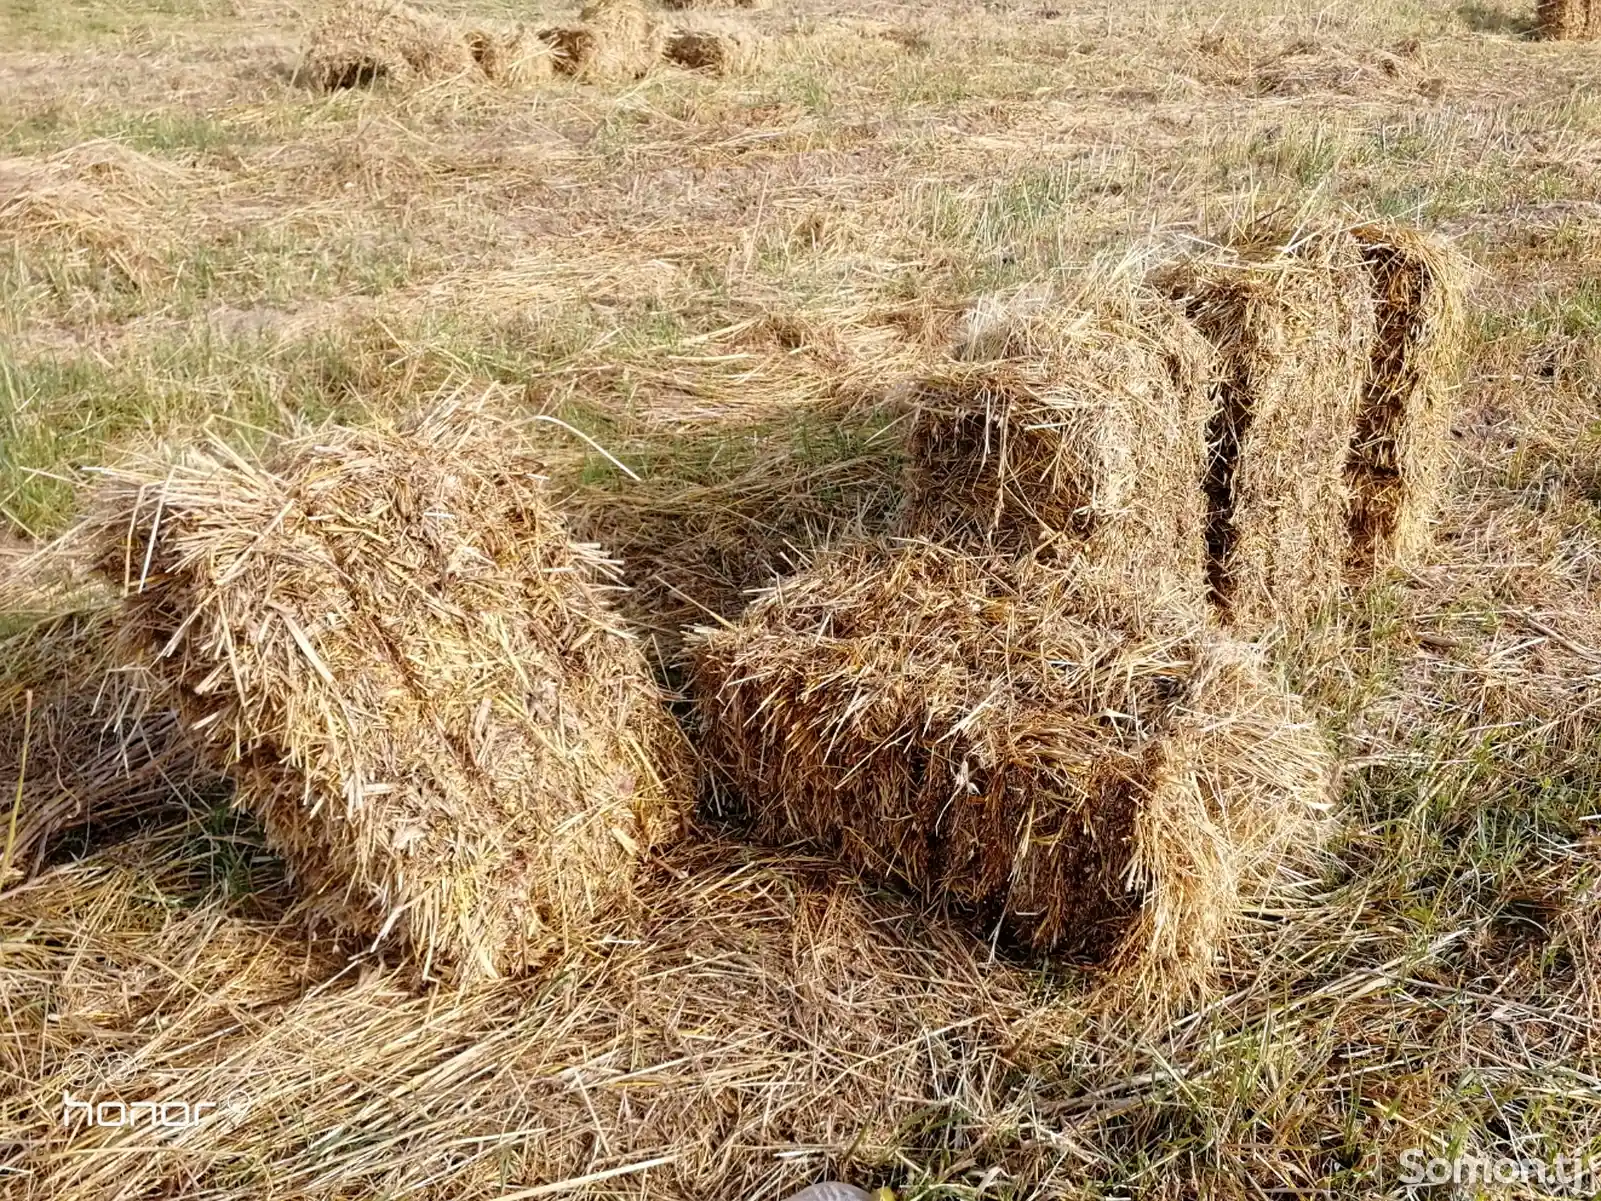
x=614, y=41
x=1081, y=429
x=1292, y=330
x=1568, y=20
x=415, y=676
x=363, y=42
x=699, y=5
x=511, y=56
x=1098, y=778
x=1399, y=457
x=78, y=743
x=723, y=50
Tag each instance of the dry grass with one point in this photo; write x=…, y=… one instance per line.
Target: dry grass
x=1076, y=423
x=415, y=675
x=1079, y=773
x=1292, y=324
x=764, y=1003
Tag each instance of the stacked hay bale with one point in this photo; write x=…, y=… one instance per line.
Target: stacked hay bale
x=415, y=676
x=1079, y=429
x=1099, y=776
x=1568, y=20
x=1399, y=456
x=1292, y=326
x=363, y=42
x=614, y=41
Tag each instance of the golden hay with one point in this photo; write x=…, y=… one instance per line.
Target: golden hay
x=768, y=1024
x=1399, y=458
x=416, y=677
x=1090, y=776
x=78, y=744
x=724, y=50
x=515, y=56
x=1568, y=20
x=1292, y=329
x=1082, y=429
x=363, y=42
x=615, y=40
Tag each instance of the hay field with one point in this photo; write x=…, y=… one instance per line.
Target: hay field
x=701, y=288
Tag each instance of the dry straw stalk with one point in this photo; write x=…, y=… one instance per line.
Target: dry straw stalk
x=1082, y=428
x=1095, y=777
x=415, y=675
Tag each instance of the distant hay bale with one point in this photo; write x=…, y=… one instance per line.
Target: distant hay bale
x=1102, y=779
x=614, y=41
x=725, y=50
x=696, y=5
x=1568, y=20
x=1292, y=330
x=514, y=56
x=363, y=42
x=1399, y=457
x=1081, y=429
x=415, y=676
x=83, y=744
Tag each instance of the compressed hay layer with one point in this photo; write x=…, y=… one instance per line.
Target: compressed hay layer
x=1568, y=20
x=764, y=1004
x=415, y=675
x=80, y=742
x=1292, y=331
x=1399, y=458
x=614, y=41
x=1082, y=429
x=722, y=51
x=1104, y=780
x=369, y=41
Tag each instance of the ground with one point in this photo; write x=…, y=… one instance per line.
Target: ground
x=718, y=280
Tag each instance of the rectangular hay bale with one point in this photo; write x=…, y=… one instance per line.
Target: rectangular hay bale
x=1079, y=430
x=1401, y=450
x=1568, y=20
x=414, y=674
x=1292, y=328
x=1093, y=778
